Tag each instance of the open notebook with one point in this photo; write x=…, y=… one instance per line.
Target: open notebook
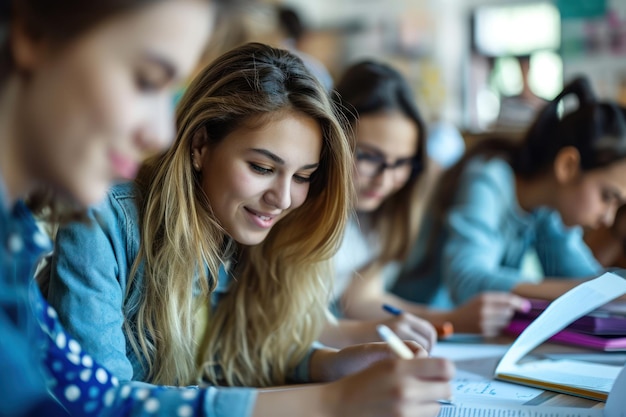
x=596, y=381
x=615, y=407
x=584, y=379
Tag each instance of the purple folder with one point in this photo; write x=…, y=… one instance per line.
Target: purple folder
x=575, y=338
x=606, y=321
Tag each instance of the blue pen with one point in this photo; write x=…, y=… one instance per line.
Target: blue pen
x=444, y=331
x=392, y=310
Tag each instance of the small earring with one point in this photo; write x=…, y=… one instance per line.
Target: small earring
x=195, y=163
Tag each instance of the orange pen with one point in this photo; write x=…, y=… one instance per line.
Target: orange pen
x=444, y=330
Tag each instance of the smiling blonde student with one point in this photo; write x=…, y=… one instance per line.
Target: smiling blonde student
x=241, y=216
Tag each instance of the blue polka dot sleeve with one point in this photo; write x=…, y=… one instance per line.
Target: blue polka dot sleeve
x=85, y=388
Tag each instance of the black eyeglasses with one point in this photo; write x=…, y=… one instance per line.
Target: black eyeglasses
x=370, y=165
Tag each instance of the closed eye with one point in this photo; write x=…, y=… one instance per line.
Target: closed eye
x=405, y=161
x=146, y=85
x=259, y=169
x=610, y=196
x=154, y=73
x=362, y=156
x=301, y=179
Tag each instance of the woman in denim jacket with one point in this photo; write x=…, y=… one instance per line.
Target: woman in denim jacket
x=242, y=215
x=510, y=214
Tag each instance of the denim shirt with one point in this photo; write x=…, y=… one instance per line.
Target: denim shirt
x=486, y=237
x=89, y=272
x=359, y=248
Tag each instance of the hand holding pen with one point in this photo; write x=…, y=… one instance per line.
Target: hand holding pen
x=411, y=327
x=402, y=351
x=443, y=330
x=391, y=386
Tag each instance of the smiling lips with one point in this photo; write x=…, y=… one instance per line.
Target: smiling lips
x=124, y=167
x=372, y=195
x=262, y=220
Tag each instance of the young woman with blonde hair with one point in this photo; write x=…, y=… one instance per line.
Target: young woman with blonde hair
x=242, y=215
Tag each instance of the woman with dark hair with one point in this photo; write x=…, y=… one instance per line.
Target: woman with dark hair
x=294, y=32
x=507, y=205
x=393, y=185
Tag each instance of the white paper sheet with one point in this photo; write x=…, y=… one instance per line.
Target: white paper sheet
x=606, y=358
x=463, y=351
x=615, y=407
x=469, y=387
x=477, y=410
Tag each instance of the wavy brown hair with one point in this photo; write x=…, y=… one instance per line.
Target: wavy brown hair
x=372, y=88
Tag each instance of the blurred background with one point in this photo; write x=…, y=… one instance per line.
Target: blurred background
x=479, y=66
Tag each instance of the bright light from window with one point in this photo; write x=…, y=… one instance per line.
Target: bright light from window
x=546, y=74
x=517, y=29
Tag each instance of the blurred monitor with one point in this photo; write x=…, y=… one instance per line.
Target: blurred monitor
x=515, y=29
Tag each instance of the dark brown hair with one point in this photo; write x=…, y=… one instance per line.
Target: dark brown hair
x=596, y=129
x=371, y=87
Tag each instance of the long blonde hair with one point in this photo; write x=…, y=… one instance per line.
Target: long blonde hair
x=277, y=306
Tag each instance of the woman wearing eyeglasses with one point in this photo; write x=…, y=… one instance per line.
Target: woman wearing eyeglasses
x=392, y=187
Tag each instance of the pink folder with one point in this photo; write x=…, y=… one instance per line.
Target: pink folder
x=607, y=343
x=607, y=320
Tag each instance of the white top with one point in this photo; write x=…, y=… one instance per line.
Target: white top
x=357, y=251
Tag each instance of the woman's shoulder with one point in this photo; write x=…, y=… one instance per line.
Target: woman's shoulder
x=489, y=166
x=493, y=171
x=119, y=207
x=120, y=196
x=124, y=190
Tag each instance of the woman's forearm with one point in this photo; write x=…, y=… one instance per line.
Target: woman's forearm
x=548, y=289
x=305, y=401
x=348, y=332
